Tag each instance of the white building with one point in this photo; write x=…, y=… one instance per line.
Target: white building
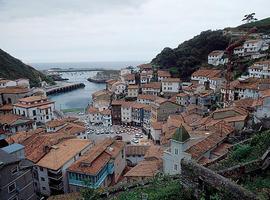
x=119, y=87
x=253, y=46
x=176, y=152
x=7, y=83
x=126, y=112
x=216, y=58
x=146, y=98
x=125, y=71
x=171, y=85
x=38, y=108
x=216, y=83
x=155, y=131
x=203, y=75
x=133, y=91
x=239, y=51
x=260, y=69
x=146, y=76
x=163, y=75
x=50, y=170
x=182, y=99
x=101, y=99
x=129, y=79
x=96, y=116
x=152, y=88
x=19, y=82
x=22, y=82
x=263, y=107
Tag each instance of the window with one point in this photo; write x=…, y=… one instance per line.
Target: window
x=176, y=151
x=43, y=188
x=34, y=113
x=175, y=167
x=11, y=187
x=14, y=170
x=42, y=179
x=41, y=169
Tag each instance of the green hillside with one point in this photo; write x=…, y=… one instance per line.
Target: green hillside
x=262, y=25
x=12, y=68
x=191, y=54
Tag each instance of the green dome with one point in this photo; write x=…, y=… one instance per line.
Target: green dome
x=181, y=134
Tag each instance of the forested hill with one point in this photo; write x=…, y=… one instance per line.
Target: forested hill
x=263, y=26
x=12, y=68
x=191, y=54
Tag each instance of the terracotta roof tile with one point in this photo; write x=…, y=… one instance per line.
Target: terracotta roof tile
x=97, y=157
x=62, y=152
x=216, y=53
x=14, y=90
x=144, y=169
x=154, y=152
x=220, y=131
x=162, y=73
x=210, y=73
x=136, y=150
x=177, y=80
x=154, y=85
x=55, y=123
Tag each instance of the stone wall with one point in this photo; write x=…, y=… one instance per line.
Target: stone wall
x=203, y=180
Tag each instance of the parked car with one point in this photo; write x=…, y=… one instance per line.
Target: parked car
x=135, y=140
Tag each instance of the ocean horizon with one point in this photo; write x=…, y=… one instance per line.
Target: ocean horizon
x=66, y=65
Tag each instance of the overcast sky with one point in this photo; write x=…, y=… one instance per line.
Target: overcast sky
x=111, y=30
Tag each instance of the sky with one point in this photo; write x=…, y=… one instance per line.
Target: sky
x=112, y=30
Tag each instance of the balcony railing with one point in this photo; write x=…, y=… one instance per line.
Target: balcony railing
x=55, y=176
x=83, y=183
x=57, y=186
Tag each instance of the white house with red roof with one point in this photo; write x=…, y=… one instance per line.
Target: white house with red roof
x=217, y=58
x=38, y=108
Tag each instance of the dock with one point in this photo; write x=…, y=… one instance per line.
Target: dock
x=63, y=87
x=58, y=70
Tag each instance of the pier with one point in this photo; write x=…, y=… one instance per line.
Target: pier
x=58, y=70
x=63, y=87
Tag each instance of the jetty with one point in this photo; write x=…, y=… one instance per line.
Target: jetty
x=63, y=87
x=76, y=70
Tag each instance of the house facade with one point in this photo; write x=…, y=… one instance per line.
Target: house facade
x=38, y=108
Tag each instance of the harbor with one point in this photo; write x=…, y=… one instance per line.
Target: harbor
x=62, y=87
x=74, y=97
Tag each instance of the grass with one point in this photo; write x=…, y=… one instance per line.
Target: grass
x=73, y=110
x=243, y=153
x=259, y=184
x=160, y=190
x=161, y=187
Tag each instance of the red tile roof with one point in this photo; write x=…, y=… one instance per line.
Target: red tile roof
x=14, y=90
x=220, y=131
x=162, y=73
x=136, y=150
x=144, y=169
x=209, y=73
x=154, y=85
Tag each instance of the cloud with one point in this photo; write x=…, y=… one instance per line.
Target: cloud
x=14, y=9
x=111, y=30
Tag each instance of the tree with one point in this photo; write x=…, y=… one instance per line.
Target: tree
x=249, y=18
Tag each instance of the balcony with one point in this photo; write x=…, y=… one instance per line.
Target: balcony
x=55, y=176
x=59, y=186
x=110, y=168
x=83, y=183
